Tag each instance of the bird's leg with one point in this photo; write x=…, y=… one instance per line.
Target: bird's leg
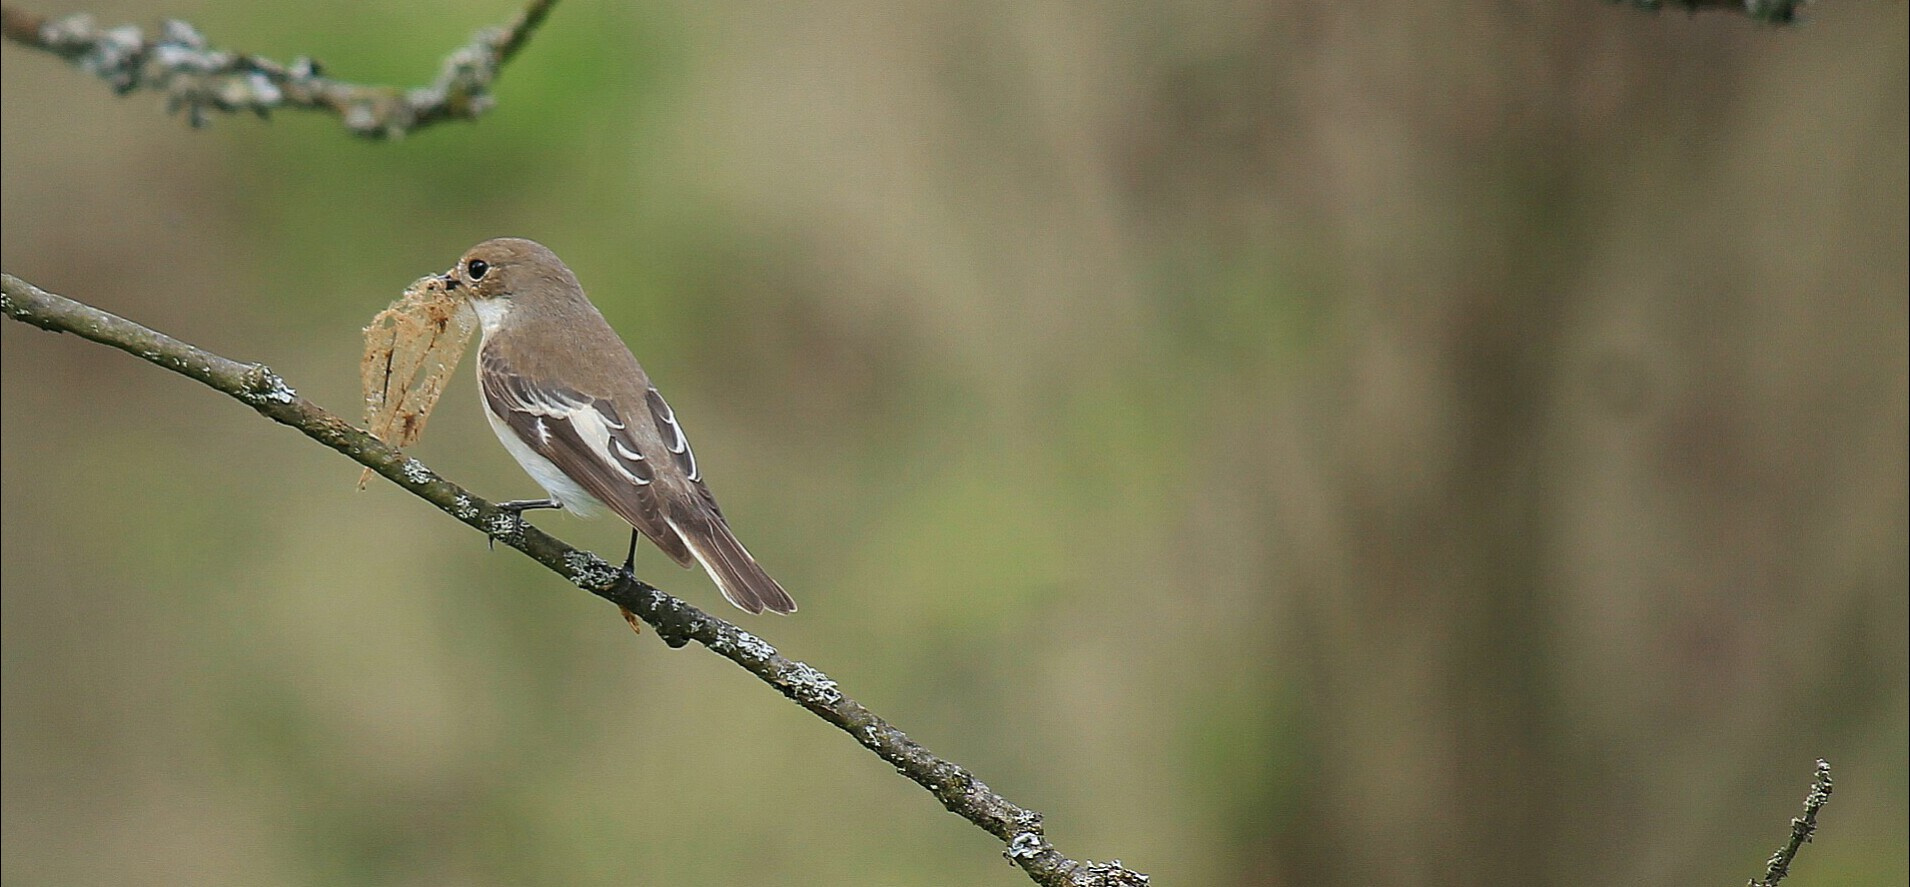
x=516, y=508
x=630, y=572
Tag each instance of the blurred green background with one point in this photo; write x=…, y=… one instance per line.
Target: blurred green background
x=1344, y=444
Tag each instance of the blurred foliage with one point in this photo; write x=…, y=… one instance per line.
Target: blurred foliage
x=1339, y=445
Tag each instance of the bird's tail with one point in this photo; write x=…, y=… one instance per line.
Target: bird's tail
x=742, y=581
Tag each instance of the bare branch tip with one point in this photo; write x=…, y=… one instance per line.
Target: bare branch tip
x=1771, y=12
x=1803, y=828
x=199, y=80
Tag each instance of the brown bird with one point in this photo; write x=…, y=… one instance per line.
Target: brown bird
x=572, y=405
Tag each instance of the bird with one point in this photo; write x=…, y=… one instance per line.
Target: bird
x=569, y=401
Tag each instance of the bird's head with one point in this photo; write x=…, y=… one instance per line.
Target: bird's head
x=502, y=275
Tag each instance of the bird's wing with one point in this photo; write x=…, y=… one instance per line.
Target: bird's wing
x=678, y=445
x=701, y=526
x=590, y=440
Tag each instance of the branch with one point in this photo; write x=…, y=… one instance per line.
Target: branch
x=199, y=79
x=1801, y=829
x=676, y=621
x=1772, y=12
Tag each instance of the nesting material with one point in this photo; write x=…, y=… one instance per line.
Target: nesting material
x=411, y=349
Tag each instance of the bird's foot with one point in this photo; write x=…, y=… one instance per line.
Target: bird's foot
x=510, y=520
x=627, y=575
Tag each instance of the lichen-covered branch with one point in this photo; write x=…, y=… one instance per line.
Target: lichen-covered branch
x=1776, y=12
x=199, y=79
x=676, y=621
x=1802, y=827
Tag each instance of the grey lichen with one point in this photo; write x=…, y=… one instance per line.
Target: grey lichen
x=465, y=77
x=416, y=472
x=463, y=508
x=1026, y=845
x=1109, y=874
x=264, y=386
x=505, y=526
x=113, y=54
x=589, y=571
x=810, y=685
x=750, y=647
x=179, y=62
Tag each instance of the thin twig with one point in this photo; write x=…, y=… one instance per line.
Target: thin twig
x=1773, y=12
x=676, y=621
x=1801, y=829
x=198, y=79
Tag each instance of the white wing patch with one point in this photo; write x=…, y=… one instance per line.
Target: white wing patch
x=673, y=437
x=559, y=485
x=592, y=427
x=625, y=452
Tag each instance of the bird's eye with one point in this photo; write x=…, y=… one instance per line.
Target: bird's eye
x=476, y=268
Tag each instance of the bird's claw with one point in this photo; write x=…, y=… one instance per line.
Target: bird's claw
x=507, y=524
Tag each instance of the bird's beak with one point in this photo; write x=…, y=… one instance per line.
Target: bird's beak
x=450, y=281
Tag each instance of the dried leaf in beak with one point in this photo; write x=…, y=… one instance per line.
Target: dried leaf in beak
x=411, y=349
